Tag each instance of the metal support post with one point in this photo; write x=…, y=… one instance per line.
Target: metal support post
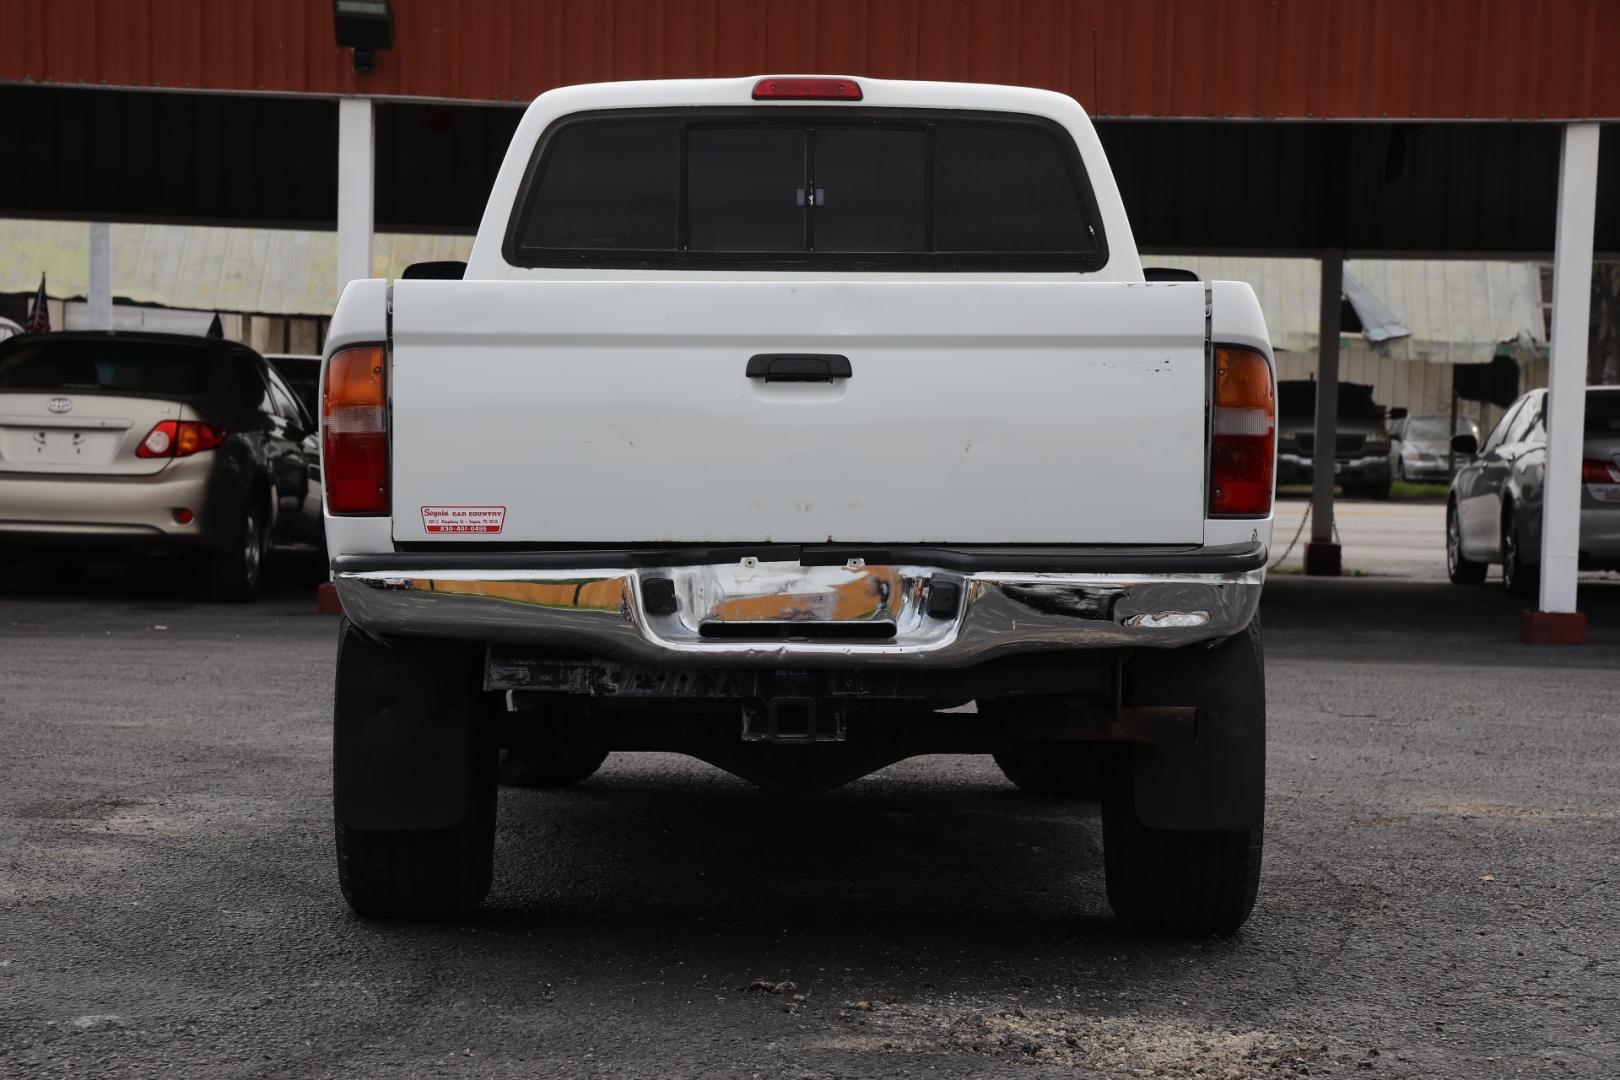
x=1557, y=621
x=100, y=313
x=1322, y=552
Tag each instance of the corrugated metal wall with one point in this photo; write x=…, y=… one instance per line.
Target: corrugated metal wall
x=1453, y=59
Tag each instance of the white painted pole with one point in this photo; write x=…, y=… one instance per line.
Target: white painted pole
x=1566, y=371
x=355, y=184
x=1322, y=555
x=100, y=300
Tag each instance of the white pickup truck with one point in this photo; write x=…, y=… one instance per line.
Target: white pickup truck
x=774, y=421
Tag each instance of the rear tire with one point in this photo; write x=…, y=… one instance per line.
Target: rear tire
x=1460, y=569
x=1179, y=880
x=417, y=874
x=234, y=573
x=1519, y=577
x=411, y=873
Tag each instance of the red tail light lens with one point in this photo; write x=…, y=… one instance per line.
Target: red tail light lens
x=354, y=431
x=1243, y=435
x=808, y=89
x=179, y=438
x=1598, y=471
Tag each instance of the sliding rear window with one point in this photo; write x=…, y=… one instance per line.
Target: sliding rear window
x=801, y=190
x=105, y=367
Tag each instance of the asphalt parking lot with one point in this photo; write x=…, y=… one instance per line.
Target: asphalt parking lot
x=1438, y=900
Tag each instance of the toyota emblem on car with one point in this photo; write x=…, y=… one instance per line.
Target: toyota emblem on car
x=59, y=405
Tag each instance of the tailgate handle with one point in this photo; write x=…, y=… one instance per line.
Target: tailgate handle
x=799, y=367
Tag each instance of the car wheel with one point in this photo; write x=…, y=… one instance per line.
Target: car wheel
x=413, y=780
x=1461, y=570
x=63, y=574
x=1192, y=880
x=1518, y=576
x=233, y=574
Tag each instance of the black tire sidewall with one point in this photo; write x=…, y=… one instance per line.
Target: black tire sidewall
x=231, y=577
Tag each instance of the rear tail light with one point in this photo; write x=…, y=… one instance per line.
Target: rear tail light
x=808, y=89
x=1243, y=435
x=1598, y=471
x=354, y=431
x=179, y=438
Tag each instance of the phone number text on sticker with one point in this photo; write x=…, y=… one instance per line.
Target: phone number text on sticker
x=463, y=519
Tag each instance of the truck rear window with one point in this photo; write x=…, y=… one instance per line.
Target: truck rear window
x=88, y=367
x=807, y=190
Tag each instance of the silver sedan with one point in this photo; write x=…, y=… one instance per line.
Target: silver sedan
x=1494, y=511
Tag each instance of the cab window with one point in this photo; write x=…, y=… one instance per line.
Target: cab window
x=807, y=189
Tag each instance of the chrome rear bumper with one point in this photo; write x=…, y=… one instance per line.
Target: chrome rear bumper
x=757, y=612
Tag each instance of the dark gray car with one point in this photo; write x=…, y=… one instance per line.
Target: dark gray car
x=1361, y=450
x=1420, y=446
x=1494, y=511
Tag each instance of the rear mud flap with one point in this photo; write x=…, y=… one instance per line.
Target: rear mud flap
x=1217, y=782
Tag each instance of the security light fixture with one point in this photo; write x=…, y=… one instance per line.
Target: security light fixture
x=364, y=26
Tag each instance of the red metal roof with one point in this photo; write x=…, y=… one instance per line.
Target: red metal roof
x=1495, y=59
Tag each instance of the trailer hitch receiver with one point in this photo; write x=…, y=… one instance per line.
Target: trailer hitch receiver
x=793, y=721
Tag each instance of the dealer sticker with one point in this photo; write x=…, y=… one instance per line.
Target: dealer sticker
x=463, y=519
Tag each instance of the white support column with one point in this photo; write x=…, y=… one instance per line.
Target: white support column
x=1322, y=552
x=100, y=299
x=356, y=169
x=1566, y=373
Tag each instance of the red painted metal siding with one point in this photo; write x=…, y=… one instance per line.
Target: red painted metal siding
x=1503, y=59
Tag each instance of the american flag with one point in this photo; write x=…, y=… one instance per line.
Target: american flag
x=39, y=315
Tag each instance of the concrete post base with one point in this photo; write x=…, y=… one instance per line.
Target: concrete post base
x=1322, y=559
x=1552, y=627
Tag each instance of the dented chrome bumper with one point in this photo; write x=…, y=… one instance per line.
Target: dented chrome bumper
x=759, y=612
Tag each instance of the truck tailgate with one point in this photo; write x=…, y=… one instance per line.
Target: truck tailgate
x=621, y=411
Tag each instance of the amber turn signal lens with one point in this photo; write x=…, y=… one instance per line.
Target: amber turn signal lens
x=1243, y=381
x=354, y=377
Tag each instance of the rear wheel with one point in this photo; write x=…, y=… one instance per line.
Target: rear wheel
x=1173, y=880
x=233, y=573
x=414, y=786
x=1178, y=881
x=1460, y=569
x=1518, y=576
